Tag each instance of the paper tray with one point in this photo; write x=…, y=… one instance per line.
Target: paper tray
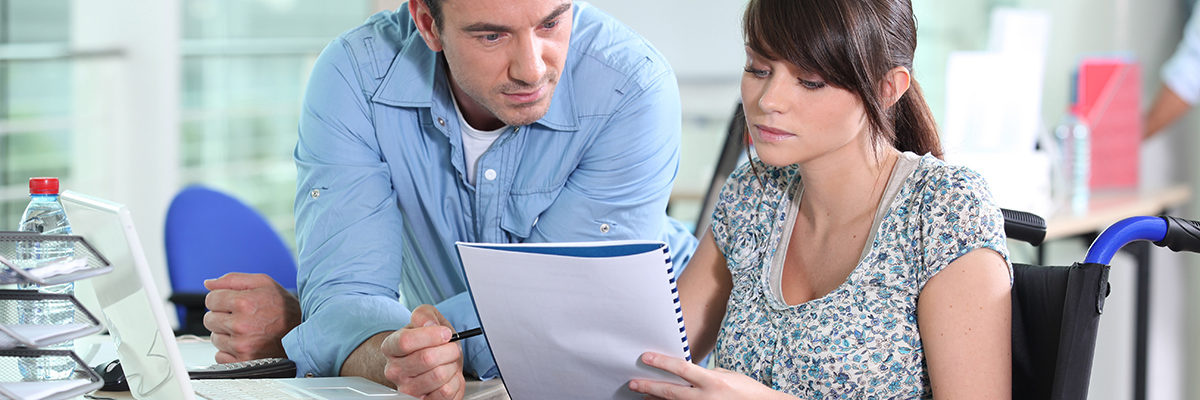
x=31, y=331
x=86, y=262
x=12, y=386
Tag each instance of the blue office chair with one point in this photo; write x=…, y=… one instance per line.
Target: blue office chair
x=209, y=233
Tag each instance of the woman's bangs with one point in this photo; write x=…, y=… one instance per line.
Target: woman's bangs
x=777, y=31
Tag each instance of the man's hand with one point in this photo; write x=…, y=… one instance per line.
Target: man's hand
x=248, y=315
x=421, y=360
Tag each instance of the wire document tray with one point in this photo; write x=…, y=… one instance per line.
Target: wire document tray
x=82, y=379
x=35, y=329
x=19, y=267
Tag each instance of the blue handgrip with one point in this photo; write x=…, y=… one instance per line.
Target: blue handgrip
x=1123, y=232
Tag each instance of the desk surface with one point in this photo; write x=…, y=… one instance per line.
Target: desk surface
x=197, y=353
x=476, y=390
x=1107, y=207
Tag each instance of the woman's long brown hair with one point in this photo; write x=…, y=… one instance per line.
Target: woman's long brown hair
x=851, y=44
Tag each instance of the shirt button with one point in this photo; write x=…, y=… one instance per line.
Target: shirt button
x=441, y=121
x=517, y=129
x=490, y=174
x=604, y=228
x=315, y=193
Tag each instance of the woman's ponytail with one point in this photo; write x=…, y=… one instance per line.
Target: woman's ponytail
x=913, y=124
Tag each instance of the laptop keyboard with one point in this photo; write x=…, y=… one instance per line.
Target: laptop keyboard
x=245, y=389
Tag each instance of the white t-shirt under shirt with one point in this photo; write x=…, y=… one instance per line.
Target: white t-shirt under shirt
x=475, y=141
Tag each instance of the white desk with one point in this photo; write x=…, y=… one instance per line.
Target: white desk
x=1108, y=207
x=99, y=349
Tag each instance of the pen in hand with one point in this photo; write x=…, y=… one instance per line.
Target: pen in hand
x=466, y=334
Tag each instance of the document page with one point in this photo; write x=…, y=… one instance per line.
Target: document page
x=39, y=335
x=43, y=390
x=571, y=320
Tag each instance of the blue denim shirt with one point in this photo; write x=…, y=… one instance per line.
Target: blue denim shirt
x=382, y=194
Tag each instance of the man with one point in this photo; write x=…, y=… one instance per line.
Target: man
x=454, y=120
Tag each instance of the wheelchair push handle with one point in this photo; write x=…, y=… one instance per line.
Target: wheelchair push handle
x=1182, y=235
x=1177, y=234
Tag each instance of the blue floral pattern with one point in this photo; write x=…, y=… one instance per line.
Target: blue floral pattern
x=861, y=340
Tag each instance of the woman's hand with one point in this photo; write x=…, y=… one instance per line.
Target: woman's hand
x=706, y=384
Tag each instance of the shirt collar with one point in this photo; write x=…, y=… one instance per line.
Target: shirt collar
x=410, y=82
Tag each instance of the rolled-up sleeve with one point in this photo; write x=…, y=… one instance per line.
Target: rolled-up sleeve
x=348, y=227
x=1181, y=73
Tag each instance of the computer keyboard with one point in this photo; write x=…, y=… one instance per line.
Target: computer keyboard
x=114, y=375
x=260, y=368
x=246, y=389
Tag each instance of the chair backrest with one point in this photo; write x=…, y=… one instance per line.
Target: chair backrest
x=1055, y=315
x=727, y=161
x=209, y=233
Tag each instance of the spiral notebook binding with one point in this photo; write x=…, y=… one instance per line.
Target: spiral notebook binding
x=687, y=349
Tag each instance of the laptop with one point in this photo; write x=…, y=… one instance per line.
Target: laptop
x=133, y=312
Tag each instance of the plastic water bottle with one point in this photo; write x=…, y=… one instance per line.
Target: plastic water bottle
x=1074, y=143
x=1082, y=170
x=45, y=215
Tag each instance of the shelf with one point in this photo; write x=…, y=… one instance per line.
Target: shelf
x=33, y=332
x=84, y=261
x=82, y=379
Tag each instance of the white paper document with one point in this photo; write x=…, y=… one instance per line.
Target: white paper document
x=571, y=320
x=60, y=267
x=35, y=335
x=45, y=390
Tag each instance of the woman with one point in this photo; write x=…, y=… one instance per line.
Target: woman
x=846, y=260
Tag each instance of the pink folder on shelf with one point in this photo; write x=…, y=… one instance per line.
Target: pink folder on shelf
x=1108, y=99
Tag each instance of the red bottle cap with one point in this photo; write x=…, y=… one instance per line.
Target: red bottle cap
x=43, y=185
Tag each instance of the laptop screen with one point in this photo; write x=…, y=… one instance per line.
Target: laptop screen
x=130, y=305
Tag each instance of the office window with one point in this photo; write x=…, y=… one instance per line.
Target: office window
x=35, y=99
x=944, y=27
x=245, y=66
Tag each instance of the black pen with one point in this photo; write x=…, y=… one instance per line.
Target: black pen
x=466, y=334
